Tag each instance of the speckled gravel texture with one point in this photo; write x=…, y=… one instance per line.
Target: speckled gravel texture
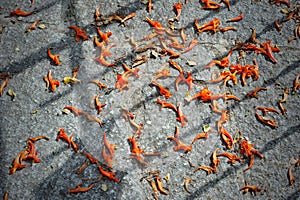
x=24, y=56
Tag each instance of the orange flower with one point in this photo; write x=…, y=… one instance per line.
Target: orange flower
x=51, y=82
x=62, y=135
x=79, y=33
x=109, y=175
x=54, y=58
x=162, y=91
x=80, y=189
x=20, y=12
x=180, y=145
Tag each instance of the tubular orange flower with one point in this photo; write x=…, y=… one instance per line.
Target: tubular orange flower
x=236, y=19
x=252, y=189
x=214, y=159
x=37, y=138
x=99, y=84
x=90, y=157
x=180, y=145
x=104, y=36
x=32, y=26
x=159, y=186
x=180, y=116
x=122, y=82
x=3, y=85
x=51, y=82
x=202, y=135
x=54, y=58
x=253, y=93
x=79, y=33
x=80, y=189
x=73, y=144
x=20, y=12
x=62, y=135
x=165, y=104
x=204, y=168
x=232, y=158
x=178, y=8
x=162, y=91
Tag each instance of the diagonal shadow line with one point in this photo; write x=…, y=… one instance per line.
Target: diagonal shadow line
x=270, y=145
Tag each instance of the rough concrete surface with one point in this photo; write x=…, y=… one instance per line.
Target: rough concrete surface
x=24, y=56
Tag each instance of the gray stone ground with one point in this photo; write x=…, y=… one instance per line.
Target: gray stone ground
x=24, y=55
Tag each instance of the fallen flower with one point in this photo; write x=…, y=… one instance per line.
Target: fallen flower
x=247, y=149
x=265, y=110
x=102, y=61
x=20, y=12
x=214, y=159
x=266, y=121
x=82, y=167
x=32, y=26
x=232, y=158
x=139, y=128
x=254, y=94
x=165, y=104
x=236, y=19
x=180, y=145
x=277, y=26
x=159, y=186
x=180, y=116
x=213, y=26
x=189, y=80
x=99, y=84
x=97, y=13
x=296, y=83
x=109, y=175
x=98, y=104
x=33, y=140
x=104, y=36
x=54, y=58
x=204, y=168
x=178, y=8
x=162, y=91
x=79, y=33
x=131, y=70
x=51, y=82
x=126, y=114
x=3, y=85
x=73, y=144
x=150, y=6
x=90, y=157
x=154, y=188
x=206, y=95
x=80, y=189
x=162, y=73
x=210, y=5
x=201, y=135
x=186, y=184
x=226, y=2
x=252, y=189
x=76, y=111
x=224, y=62
x=62, y=135
x=17, y=162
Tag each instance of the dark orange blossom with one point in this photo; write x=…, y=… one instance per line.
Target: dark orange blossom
x=109, y=175
x=54, y=58
x=79, y=33
x=20, y=12
x=180, y=145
